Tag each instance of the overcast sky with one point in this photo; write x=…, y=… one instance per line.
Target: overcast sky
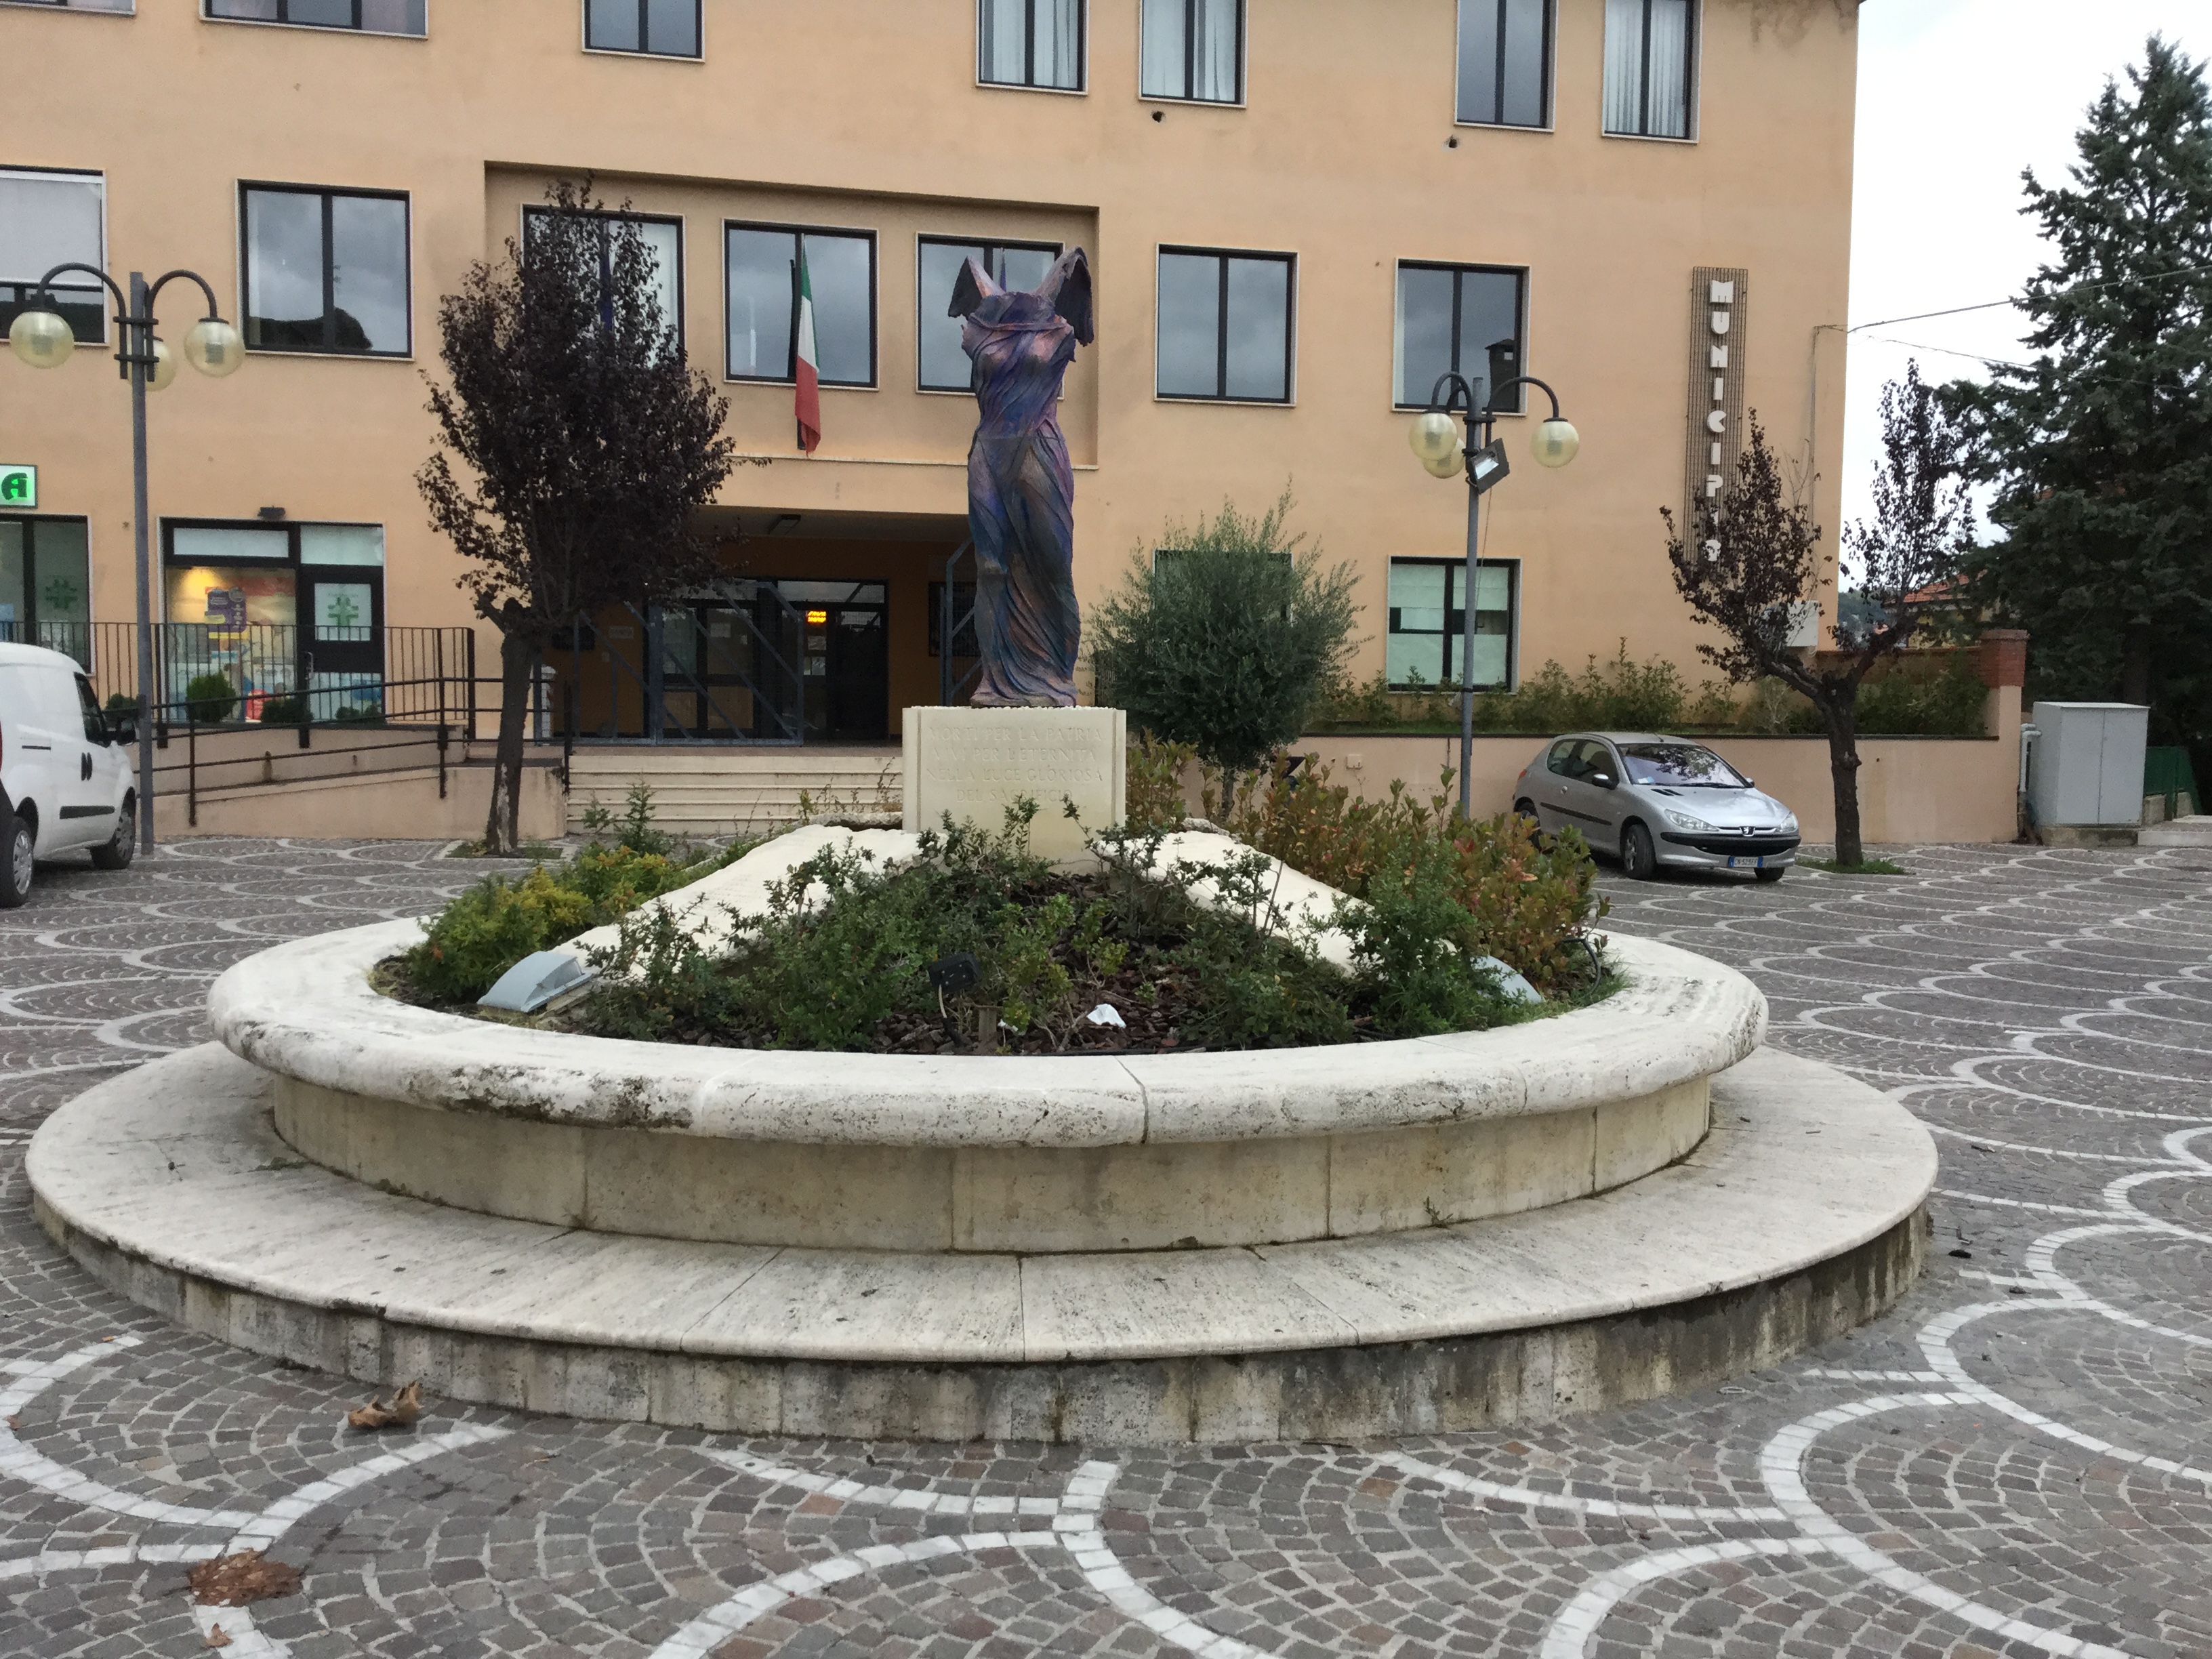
x=1955, y=97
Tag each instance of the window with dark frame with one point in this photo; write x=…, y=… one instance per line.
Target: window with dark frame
x=1505, y=63
x=1428, y=622
x=326, y=271
x=1467, y=320
x=1225, y=326
x=651, y=29
x=664, y=239
x=51, y=217
x=941, y=363
x=45, y=584
x=363, y=16
x=1193, y=51
x=1650, y=58
x=1031, y=43
x=761, y=287
x=117, y=7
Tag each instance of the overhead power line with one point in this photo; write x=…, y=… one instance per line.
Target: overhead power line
x=1999, y=305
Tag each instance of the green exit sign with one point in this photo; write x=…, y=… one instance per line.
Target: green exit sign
x=19, y=486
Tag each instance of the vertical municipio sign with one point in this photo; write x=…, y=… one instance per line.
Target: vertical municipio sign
x=1719, y=305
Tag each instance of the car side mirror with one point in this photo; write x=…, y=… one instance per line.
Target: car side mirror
x=123, y=728
x=1602, y=780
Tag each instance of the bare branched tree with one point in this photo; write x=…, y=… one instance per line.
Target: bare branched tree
x=1753, y=559
x=588, y=444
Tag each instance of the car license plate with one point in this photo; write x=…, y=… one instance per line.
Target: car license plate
x=1746, y=864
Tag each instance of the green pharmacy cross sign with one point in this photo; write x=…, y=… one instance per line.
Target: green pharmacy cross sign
x=19, y=486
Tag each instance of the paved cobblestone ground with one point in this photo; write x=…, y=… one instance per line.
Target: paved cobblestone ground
x=2014, y=1462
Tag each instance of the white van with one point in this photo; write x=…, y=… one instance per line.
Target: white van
x=65, y=773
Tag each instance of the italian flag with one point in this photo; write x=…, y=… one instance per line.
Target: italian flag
x=807, y=403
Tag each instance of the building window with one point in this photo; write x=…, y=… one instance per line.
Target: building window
x=943, y=365
x=1458, y=320
x=277, y=609
x=1225, y=326
x=664, y=244
x=1428, y=622
x=367, y=16
x=1650, y=52
x=120, y=8
x=326, y=271
x=45, y=585
x=1505, y=63
x=657, y=28
x=49, y=219
x=1030, y=43
x=1193, y=50
x=762, y=275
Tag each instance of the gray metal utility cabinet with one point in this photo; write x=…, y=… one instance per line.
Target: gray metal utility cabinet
x=2088, y=764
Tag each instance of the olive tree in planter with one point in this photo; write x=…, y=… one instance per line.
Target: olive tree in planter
x=586, y=446
x=1753, y=559
x=1224, y=636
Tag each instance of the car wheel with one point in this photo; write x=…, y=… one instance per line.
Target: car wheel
x=116, y=851
x=1526, y=808
x=1773, y=872
x=16, y=857
x=1638, y=858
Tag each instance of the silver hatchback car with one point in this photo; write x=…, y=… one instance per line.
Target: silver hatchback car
x=1653, y=800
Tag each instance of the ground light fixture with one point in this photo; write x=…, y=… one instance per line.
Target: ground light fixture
x=41, y=336
x=1443, y=451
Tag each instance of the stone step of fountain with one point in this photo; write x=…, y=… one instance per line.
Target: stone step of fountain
x=1801, y=1215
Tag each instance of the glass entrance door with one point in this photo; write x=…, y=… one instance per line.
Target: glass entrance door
x=845, y=658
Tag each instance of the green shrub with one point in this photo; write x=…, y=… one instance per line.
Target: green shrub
x=634, y=828
x=1916, y=699
x=208, y=699
x=1226, y=638
x=284, y=711
x=1525, y=896
x=497, y=923
x=1153, y=793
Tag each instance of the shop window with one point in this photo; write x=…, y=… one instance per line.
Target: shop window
x=1225, y=326
x=49, y=219
x=664, y=244
x=654, y=28
x=1428, y=622
x=326, y=271
x=1461, y=319
x=1650, y=58
x=363, y=16
x=45, y=585
x=1505, y=63
x=762, y=266
x=943, y=365
x=277, y=609
x=1030, y=43
x=1193, y=51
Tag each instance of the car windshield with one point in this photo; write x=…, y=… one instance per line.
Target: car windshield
x=1679, y=766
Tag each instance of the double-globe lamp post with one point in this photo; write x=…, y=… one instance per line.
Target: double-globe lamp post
x=42, y=338
x=1445, y=453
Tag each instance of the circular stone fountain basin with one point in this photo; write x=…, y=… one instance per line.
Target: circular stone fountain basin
x=981, y=1153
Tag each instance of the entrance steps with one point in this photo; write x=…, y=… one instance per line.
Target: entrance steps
x=721, y=792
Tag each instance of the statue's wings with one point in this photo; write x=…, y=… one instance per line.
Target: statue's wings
x=971, y=287
x=1068, y=285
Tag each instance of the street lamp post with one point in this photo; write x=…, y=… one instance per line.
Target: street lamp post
x=42, y=338
x=1445, y=453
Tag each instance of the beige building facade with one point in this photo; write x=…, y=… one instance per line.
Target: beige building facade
x=1297, y=213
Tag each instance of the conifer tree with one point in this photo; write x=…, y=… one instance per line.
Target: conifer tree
x=2100, y=450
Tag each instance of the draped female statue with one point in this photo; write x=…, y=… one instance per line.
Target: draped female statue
x=1021, y=490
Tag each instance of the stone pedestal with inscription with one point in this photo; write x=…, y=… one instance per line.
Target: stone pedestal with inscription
x=975, y=762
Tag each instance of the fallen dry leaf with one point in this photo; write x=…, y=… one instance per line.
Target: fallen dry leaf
x=216, y=1638
x=238, y=1581
x=406, y=1406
